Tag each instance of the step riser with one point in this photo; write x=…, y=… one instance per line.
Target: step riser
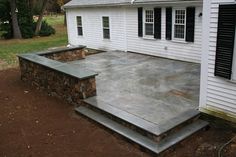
x=141, y=141
x=124, y=123
x=136, y=145
x=156, y=138
x=178, y=127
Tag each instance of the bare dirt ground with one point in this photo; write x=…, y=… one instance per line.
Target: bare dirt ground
x=33, y=124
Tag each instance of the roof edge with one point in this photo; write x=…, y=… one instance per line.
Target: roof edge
x=132, y=3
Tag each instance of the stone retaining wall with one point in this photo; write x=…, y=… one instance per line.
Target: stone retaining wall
x=57, y=78
x=66, y=56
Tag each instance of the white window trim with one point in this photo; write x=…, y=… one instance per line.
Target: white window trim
x=234, y=60
x=173, y=25
x=79, y=26
x=106, y=39
x=144, y=24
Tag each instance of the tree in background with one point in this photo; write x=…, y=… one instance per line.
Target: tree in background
x=25, y=18
x=54, y=6
x=14, y=20
x=16, y=17
x=5, y=19
x=40, y=18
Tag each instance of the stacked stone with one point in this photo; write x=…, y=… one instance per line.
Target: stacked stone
x=66, y=56
x=57, y=82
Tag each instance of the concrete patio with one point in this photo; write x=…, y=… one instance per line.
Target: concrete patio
x=148, y=100
x=150, y=88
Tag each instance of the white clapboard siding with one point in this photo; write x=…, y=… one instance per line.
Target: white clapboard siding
x=164, y=48
x=220, y=93
x=124, y=33
x=92, y=28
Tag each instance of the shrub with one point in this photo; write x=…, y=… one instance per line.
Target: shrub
x=5, y=20
x=46, y=29
x=6, y=30
x=25, y=19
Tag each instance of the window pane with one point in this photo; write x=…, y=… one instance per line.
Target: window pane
x=79, y=25
x=79, y=21
x=148, y=29
x=105, y=22
x=179, y=25
x=179, y=31
x=106, y=33
x=149, y=14
x=80, y=31
x=180, y=17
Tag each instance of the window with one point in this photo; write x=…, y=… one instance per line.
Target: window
x=234, y=59
x=149, y=22
x=79, y=25
x=106, y=27
x=179, y=24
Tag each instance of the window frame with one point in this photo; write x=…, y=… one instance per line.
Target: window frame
x=144, y=22
x=79, y=26
x=174, y=24
x=106, y=28
x=233, y=78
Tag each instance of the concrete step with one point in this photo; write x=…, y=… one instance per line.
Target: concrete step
x=155, y=132
x=138, y=138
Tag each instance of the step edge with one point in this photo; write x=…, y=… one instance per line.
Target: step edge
x=199, y=124
x=151, y=128
x=155, y=129
x=152, y=146
x=194, y=113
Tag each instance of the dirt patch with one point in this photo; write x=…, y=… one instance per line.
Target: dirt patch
x=33, y=124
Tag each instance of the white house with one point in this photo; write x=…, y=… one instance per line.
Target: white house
x=187, y=30
x=218, y=72
x=160, y=27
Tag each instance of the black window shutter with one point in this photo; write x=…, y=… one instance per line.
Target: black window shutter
x=190, y=24
x=140, y=22
x=157, y=23
x=168, y=23
x=225, y=41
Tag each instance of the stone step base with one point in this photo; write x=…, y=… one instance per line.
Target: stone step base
x=136, y=137
x=155, y=132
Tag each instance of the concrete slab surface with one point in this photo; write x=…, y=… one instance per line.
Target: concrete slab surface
x=154, y=89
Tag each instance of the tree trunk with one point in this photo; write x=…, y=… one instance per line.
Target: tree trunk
x=31, y=6
x=40, y=19
x=31, y=3
x=15, y=25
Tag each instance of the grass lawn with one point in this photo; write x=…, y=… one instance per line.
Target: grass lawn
x=10, y=48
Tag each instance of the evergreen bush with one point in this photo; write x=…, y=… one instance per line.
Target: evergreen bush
x=46, y=29
x=25, y=19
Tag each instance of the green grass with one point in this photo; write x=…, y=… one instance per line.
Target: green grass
x=54, y=20
x=10, y=48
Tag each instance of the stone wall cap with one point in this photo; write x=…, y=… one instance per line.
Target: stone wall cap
x=59, y=66
x=78, y=73
x=41, y=60
x=58, y=50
